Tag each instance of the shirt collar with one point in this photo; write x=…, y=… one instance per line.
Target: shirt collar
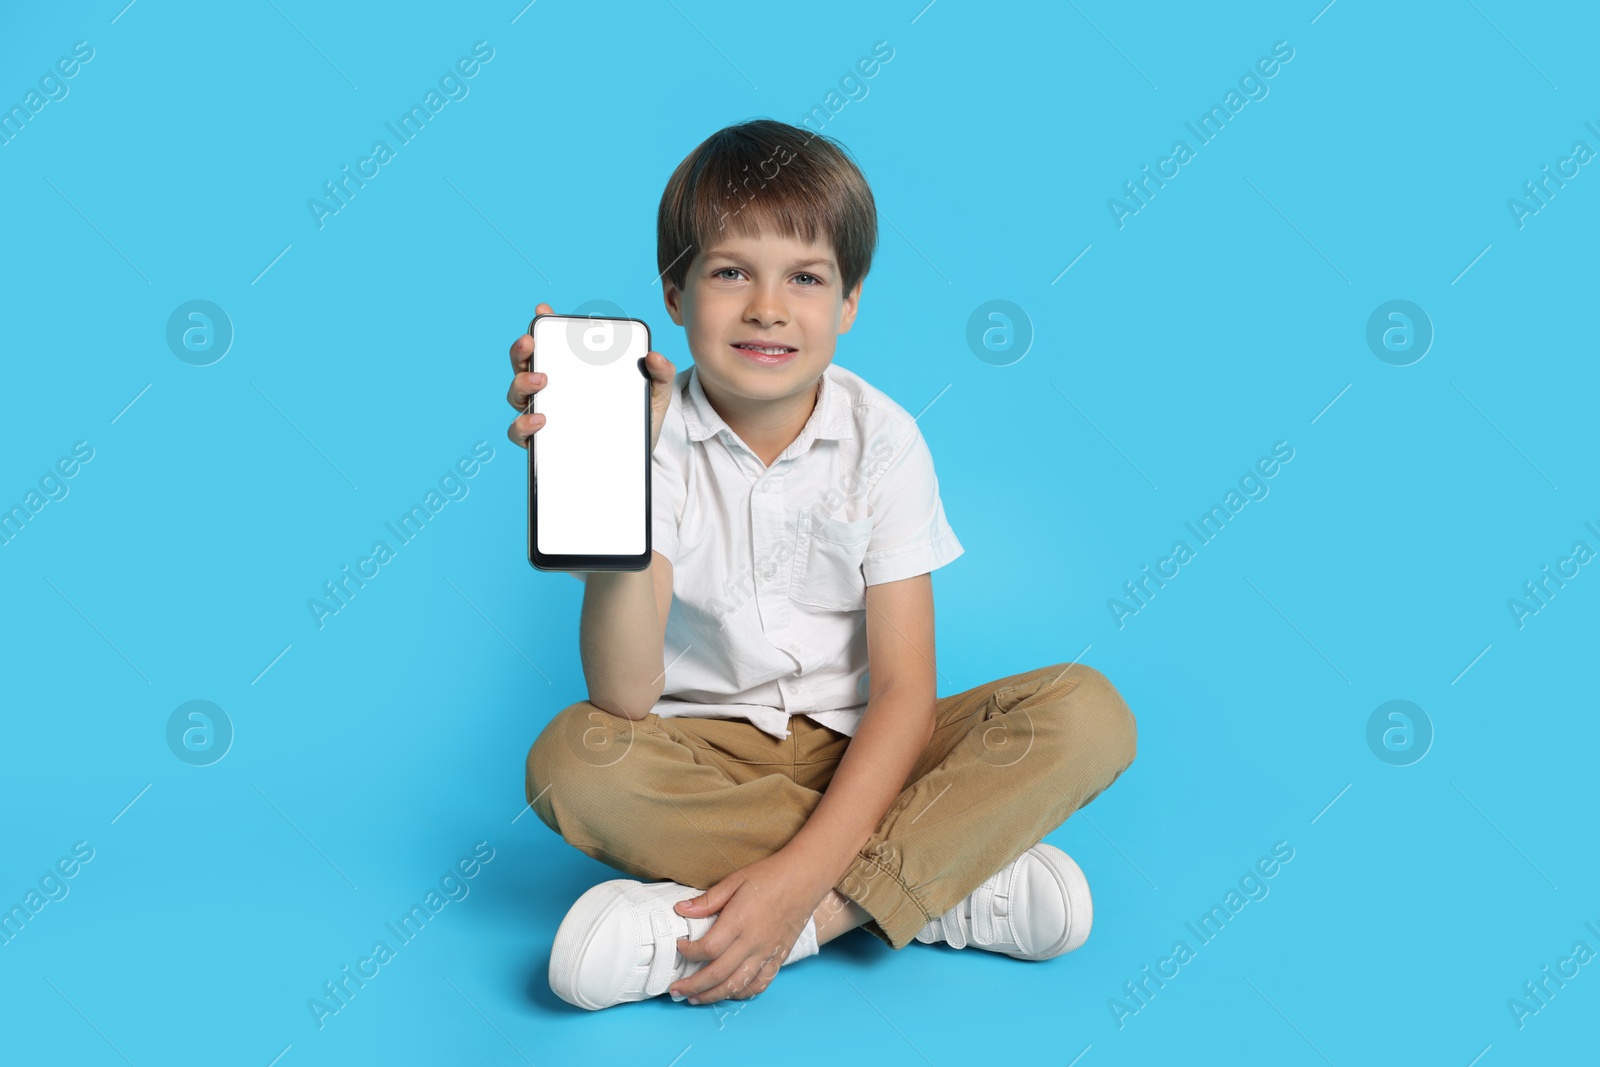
x=830, y=420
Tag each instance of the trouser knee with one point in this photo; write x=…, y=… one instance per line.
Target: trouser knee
x=580, y=742
x=1113, y=729
x=1101, y=726
x=1113, y=722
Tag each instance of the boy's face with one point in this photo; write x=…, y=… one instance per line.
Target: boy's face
x=779, y=290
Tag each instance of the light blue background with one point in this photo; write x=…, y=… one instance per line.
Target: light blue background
x=1228, y=314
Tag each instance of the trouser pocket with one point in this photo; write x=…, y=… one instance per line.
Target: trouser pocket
x=1053, y=683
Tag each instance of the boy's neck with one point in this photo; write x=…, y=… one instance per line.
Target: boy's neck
x=767, y=427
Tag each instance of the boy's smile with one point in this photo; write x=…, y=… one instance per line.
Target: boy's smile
x=763, y=315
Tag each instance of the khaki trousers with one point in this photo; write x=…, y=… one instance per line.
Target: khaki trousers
x=693, y=800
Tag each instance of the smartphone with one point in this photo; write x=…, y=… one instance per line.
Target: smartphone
x=589, y=464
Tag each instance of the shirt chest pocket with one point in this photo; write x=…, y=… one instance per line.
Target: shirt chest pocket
x=827, y=565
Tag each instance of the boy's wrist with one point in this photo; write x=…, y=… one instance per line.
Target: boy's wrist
x=607, y=576
x=816, y=862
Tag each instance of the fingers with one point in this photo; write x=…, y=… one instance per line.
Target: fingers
x=523, y=385
x=748, y=981
x=713, y=943
x=522, y=348
x=730, y=979
x=521, y=353
x=523, y=427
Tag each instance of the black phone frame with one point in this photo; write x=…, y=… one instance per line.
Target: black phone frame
x=582, y=562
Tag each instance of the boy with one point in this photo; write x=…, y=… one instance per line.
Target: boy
x=766, y=791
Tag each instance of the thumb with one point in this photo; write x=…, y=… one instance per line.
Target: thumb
x=710, y=901
x=660, y=370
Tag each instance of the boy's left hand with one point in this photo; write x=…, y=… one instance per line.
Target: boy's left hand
x=761, y=910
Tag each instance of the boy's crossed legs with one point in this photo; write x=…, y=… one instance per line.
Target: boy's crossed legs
x=691, y=800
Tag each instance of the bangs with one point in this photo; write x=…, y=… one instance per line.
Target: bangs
x=765, y=178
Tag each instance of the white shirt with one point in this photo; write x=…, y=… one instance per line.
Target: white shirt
x=770, y=565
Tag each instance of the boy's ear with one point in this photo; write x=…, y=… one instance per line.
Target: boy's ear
x=847, y=312
x=672, y=296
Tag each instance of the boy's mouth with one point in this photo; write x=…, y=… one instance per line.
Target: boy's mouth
x=766, y=354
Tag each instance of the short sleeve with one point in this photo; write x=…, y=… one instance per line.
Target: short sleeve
x=910, y=534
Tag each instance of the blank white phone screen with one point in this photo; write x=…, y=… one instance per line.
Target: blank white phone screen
x=589, y=456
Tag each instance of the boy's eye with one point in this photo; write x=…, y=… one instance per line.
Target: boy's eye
x=722, y=272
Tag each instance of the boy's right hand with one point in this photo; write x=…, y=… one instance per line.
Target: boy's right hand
x=524, y=383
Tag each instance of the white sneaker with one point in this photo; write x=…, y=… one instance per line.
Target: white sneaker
x=619, y=943
x=1035, y=908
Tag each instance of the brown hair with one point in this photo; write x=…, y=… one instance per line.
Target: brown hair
x=765, y=176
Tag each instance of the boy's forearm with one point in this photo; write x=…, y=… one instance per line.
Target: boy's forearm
x=619, y=641
x=894, y=732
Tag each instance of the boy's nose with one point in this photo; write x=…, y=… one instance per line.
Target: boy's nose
x=766, y=308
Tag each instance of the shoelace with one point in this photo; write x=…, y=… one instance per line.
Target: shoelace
x=668, y=965
x=990, y=911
